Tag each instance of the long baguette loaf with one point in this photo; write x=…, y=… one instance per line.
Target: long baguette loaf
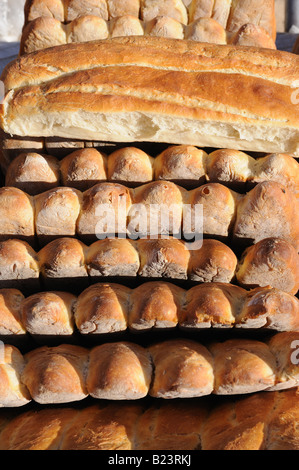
x=184, y=165
x=46, y=32
x=178, y=368
x=109, y=307
x=66, y=262
x=155, y=90
x=262, y=421
x=268, y=210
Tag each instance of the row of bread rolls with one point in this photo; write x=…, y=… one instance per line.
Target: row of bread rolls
x=46, y=32
x=159, y=207
x=178, y=368
x=262, y=421
x=67, y=262
x=110, y=307
x=184, y=165
x=230, y=14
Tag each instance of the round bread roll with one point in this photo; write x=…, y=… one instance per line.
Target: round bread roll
x=102, y=308
x=33, y=173
x=56, y=213
x=164, y=26
x=206, y=30
x=271, y=262
x=51, y=8
x=16, y=214
x=13, y=392
x=155, y=305
x=49, y=313
x=219, y=10
x=18, y=265
x=119, y=371
x=181, y=164
x=112, y=257
x=10, y=312
x=125, y=26
x=41, y=33
x=130, y=166
x=83, y=168
x=163, y=257
x=212, y=305
x=118, y=8
x=213, y=262
x=56, y=375
x=104, y=211
x=252, y=35
x=76, y=8
x=189, y=367
x=63, y=259
x=173, y=8
x=230, y=167
x=87, y=28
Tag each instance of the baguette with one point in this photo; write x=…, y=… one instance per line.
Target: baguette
x=183, y=368
x=152, y=111
x=271, y=262
x=262, y=421
x=105, y=308
x=184, y=165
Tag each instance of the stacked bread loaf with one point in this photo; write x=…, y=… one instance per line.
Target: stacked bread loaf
x=182, y=323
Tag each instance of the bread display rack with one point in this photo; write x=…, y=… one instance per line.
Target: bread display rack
x=125, y=338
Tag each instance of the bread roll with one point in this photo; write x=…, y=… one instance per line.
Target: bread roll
x=49, y=313
x=183, y=369
x=118, y=8
x=56, y=375
x=206, y=30
x=56, y=213
x=130, y=166
x=173, y=8
x=10, y=312
x=229, y=167
x=77, y=8
x=253, y=36
x=155, y=305
x=132, y=112
x=271, y=262
x=181, y=164
x=164, y=26
x=219, y=205
x=33, y=173
x=252, y=11
x=86, y=28
x=242, y=366
x=18, y=265
x=16, y=214
x=41, y=33
x=13, y=392
x=161, y=258
x=11, y=147
x=212, y=305
x=50, y=8
x=125, y=26
x=102, y=308
x=61, y=260
x=83, y=168
x=217, y=9
x=268, y=210
x=270, y=308
x=112, y=257
x=213, y=262
x=162, y=209
x=119, y=371
x=285, y=349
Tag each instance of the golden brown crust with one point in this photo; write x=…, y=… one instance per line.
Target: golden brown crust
x=48, y=8
x=253, y=36
x=130, y=165
x=18, y=264
x=10, y=312
x=41, y=33
x=16, y=224
x=13, y=392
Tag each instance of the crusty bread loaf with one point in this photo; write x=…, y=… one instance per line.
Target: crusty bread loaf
x=13, y=392
x=253, y=36
x=206, y=30
x=16, y=223
x=241, y=120
x=84, y=28
x=41, y=33
x=176, y=368
x=261, y=421
x=47, y=8
x=105, y=308
x=271, y=262
x=184, y=165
